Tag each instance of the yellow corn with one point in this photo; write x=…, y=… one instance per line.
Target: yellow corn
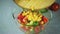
x=30, y=13
x=40, y=15
x=24, y=13
x=31, y=29
x=29, y=18
x=39, y=19
x=31, y=22
x=28, y=24
x=32, y=7
x=36, y=18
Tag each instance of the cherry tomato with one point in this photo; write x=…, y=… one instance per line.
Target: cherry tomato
x=54, y=7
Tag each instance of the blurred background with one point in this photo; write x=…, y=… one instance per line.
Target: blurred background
x=8, y=25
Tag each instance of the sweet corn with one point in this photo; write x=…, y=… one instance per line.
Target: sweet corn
x=32, y=7
x=31, y=23
x=30, y=13
x=31, y=29
x=25, y=13
x=35, y=19
x=39, y=15
x=29, y=18
x=34, y=15
x=39, y=19
x=28, y=24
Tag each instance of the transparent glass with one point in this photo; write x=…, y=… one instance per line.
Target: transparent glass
x=15, y=14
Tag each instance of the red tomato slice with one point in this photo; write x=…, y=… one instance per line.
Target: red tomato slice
x=45, y=19
x=37, y=29
x=20, y=17
x=25, y=28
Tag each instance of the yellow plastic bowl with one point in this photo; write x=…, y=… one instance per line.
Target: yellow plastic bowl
x=34, y=4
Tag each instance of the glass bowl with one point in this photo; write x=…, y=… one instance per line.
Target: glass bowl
x=15, y=14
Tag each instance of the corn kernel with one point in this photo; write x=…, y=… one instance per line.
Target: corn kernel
x=31, y=29
x=29, y=18
x=32, y=7
x=39, y=19
x=31, y=23
x=30, y=13
x=39, y=15
x=28, y=24
x=35, y=19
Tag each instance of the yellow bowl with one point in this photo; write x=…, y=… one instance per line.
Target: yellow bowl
x=34, y=4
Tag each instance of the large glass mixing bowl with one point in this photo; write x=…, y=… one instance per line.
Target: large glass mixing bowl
x=15, y=15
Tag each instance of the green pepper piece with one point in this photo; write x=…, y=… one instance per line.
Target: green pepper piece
x=43, y=11
x=35, y=23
